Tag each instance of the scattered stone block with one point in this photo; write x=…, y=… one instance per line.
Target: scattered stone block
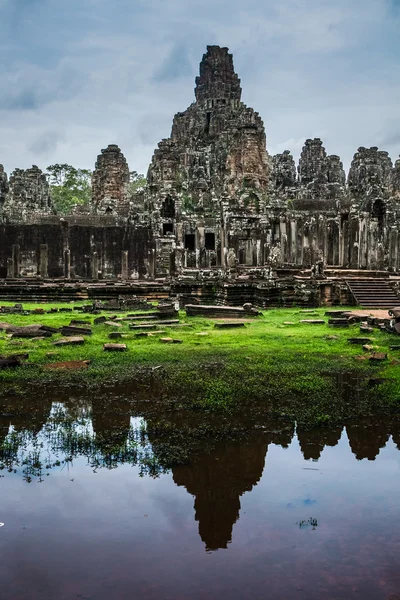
x=10, y=363
x=50, y=329
x=378, y=356
x=228, y=325
x=70, y=341
x=100, y=320
x=68, y=330
x=115, y=335
x=112, y=324
x=166, y=340
x=368, y=347
x=289, y=323
x=37, y=334
x=396, y=347
x=115, y=347
x=339, y=322
x=360, y=340
x=203, y=333
x=332, y=337
x=313, y=321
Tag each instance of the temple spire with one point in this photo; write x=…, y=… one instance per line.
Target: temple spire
x=217, y=80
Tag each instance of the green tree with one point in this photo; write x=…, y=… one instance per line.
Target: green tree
x=69, y=186
x=137, y=182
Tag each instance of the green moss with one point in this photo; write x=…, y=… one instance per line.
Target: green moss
x=295, y=368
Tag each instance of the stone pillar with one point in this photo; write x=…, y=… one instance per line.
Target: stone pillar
x=44, y=261
x=259, y=253
x=67, y=264
x=95, y=265
x=363, y=243
x=152, y=264
x=293, y=241
x=393, y=248
x=372, y=244
x=223, y=247
x=283, y=240
x=345, y=244
x=124, y=265
x=10, y=268
x=16, y=258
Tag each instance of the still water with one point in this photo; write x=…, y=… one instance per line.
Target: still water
x=89, y=513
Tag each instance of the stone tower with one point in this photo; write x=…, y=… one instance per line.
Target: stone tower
x=110, y=182
x=217, y=148
x=28, y=195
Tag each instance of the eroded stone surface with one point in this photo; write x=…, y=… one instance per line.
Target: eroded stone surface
x=110, y=182
x=26, y=196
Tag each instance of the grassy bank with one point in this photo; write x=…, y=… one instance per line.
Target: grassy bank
x=295, y=368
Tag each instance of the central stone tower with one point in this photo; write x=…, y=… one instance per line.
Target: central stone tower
x=217, y=148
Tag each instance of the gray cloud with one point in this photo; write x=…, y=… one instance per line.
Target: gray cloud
x=46, y=143
x=175, y=65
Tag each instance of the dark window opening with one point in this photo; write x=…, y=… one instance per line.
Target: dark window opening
x=190, y=241
x=108, y=210
x=378, y=209
x=378, y=212
x=168, y=208
x=210, y=241
x=208, y=121
x=167, y=228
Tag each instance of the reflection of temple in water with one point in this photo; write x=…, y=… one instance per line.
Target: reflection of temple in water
x=367, y=437
x=314, y=441
x=217, y=481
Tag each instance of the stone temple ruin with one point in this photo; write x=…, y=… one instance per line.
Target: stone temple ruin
x=218, y=216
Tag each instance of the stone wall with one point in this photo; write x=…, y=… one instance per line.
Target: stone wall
x=75, y=251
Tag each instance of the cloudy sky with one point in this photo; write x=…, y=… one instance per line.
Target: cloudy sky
x=77, y=75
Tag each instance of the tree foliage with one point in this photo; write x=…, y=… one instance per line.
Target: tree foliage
x=137, y=182
x=69, y=186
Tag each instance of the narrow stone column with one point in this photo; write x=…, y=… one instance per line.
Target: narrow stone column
x=152, y=264
x=124, y=265
x=44, y=261
x=223, y=247
x=16, y=258
x=67, y=264
x=95, y=265
x=10, y=268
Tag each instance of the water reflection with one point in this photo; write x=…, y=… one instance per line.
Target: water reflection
x=254, y=507
x=217, y=481
x=103, y=429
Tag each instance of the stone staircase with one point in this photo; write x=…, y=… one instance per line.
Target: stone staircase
x=373, y=293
